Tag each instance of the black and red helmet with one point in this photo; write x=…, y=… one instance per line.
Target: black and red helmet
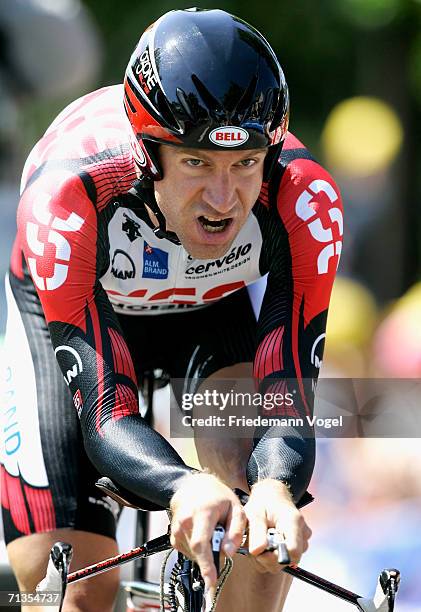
x=204, y=79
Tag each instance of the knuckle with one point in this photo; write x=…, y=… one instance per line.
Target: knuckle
x=295, y=555
x=196, y=546
x=294, y=549
x=295, y=560
x=238, y=513
x=255, y=515
x=177, y=543
x=185, y=523
x=175, y=533
x=300, y=521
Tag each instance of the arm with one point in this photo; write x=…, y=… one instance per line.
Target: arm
x=302, y=263
x=61, y=240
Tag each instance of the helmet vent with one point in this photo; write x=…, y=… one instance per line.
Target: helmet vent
x=281, y=111
x=187, y=108
x=245, y=105
x=212, y=105
x=166, y=112
x=270, y=103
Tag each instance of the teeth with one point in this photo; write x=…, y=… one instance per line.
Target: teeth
x=213, y=230
x=210, y=224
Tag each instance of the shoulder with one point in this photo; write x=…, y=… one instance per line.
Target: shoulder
x=89, y=140
x=302, y=184
x=55, y=195
x=91, y=128
x=307, y=200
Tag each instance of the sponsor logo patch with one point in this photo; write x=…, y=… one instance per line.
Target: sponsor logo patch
x=37, y=240
x=325, y=223
x=77, y=401
x=122, y=265
x=145, y=72
x=229, y=136
x=131, y=228
x=71, y=360
x=235, y=258
x=155, y=262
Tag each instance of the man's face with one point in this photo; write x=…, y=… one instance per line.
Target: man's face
x=206, y=196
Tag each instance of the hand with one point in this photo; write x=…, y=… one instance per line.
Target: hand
x=270, y=505
x=199, y=504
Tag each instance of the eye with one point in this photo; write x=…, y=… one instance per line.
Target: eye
x=247, y=163
x=194, y=162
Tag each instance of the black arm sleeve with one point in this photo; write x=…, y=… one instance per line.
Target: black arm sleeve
x=302, y=232
x=117, y=439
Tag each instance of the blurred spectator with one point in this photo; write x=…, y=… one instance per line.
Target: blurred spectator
x=362, y=140
x=351, y=322
x=397, y=343
x=368, y=519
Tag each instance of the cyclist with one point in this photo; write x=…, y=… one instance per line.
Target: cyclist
x=146, y=210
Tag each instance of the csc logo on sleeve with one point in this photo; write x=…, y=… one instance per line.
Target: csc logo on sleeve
x=57, y=227
x=307, y=209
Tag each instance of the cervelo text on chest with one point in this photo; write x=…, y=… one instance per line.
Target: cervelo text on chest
x=232, y=256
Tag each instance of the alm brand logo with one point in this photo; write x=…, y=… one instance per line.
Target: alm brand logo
x=155, y=262
x=229, y=136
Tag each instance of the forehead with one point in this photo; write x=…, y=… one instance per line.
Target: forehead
x=172, y=152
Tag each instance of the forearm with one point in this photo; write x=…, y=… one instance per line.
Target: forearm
x=138, y=458
x=286, y=454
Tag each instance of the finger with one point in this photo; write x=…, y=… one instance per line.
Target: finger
x=293, y=531
x=257, y=533
x=209, y=597
x=235, y=525
x=268, y=562
x=178, y=540
x=200, y=545
x=306, y=536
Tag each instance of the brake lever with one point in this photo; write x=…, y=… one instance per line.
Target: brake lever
x=277, y=542
x=57, y=571
x=218, y=536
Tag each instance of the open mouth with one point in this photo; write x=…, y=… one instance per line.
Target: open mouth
x=214, y=225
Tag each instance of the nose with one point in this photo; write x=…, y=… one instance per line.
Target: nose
x=220, y=192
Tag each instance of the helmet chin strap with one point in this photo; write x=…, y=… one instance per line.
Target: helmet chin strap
x=145, y=189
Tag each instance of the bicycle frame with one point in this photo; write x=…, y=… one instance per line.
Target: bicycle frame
x=57, y=573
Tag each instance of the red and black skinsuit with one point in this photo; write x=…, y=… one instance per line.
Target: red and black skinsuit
x=116, y=299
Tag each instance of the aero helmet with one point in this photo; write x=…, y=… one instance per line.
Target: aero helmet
x=204, y=79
